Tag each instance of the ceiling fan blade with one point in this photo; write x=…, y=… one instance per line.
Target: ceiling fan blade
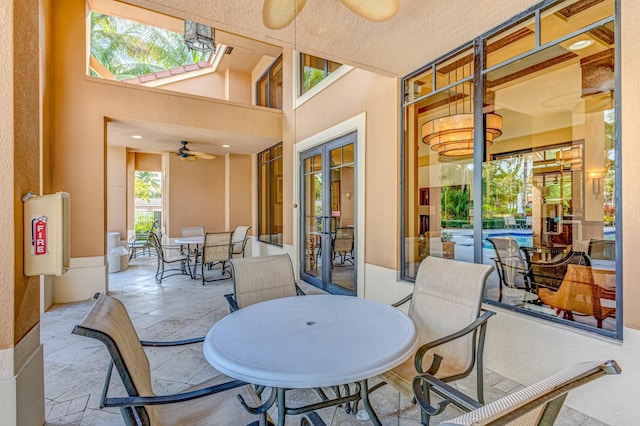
x=278, y=14
x=376, y=10
x=203, y=155
x=189, y=157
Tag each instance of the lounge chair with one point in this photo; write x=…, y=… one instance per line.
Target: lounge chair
x=580, y=294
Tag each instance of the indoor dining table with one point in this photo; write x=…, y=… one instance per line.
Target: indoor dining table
x=311, y=341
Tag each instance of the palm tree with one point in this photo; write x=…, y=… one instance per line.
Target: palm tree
x=129, y=49
x=147, y=185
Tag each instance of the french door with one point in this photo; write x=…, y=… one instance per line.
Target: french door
x=328, y=215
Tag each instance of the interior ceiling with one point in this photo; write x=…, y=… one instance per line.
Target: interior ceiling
x=418, y=33
x=165, y=138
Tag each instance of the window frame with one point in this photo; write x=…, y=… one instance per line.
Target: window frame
x=269, y=77
x=479, y=155
x=273, y=181
x=298, y=69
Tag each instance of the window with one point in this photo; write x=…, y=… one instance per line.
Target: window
x=313, y=70
x=520, y=143
x=270, y=188
x=124, y=50
x=269, y=86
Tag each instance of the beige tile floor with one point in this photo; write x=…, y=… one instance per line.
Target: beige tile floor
x=179, y=308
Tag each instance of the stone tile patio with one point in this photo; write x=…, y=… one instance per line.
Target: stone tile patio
x=75, y=366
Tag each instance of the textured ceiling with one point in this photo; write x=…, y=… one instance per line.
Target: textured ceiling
x=421, y=31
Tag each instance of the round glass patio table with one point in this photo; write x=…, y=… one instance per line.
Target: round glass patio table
x=311, y=341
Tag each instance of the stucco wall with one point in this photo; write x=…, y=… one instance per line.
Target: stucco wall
x=356, y=92
x=196, y=191
x=117, y=190
x=81, y=105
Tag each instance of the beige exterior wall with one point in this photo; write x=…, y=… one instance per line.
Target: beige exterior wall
x=209, y=85
x=196, y=194
x=21, y=372
x=522, y=348
x=356, y=92
x=148, y=162
x=239, y=199
x=81, y=104
x=117, y=190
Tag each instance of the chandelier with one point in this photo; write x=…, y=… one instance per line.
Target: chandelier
x=199, y=37
x=452, y=136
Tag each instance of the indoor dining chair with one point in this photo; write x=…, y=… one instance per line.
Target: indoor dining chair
x=446, y=308
x=213, y=402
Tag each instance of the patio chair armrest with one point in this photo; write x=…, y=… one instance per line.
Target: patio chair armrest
x=449, y=393
x=312, y=419
x=403, y=300
x=137, y=401
x=479, y=322
x=233, y=306
x=172, y=343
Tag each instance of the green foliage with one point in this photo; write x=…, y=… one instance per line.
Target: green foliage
x=311, y=77
x=147, y=185
x=455, y=202
x=503, y=182
x=129, y=49
x=446, y=236
x=143, y=225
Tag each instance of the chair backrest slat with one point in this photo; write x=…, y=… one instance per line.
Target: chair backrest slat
x=447, y=297
x=109, y=322
x=257, y=279
x=217, y=246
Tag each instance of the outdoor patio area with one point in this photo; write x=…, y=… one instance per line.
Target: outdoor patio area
x=75, y=366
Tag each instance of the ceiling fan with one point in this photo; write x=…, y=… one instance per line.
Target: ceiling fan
x=278, y=14
x=186, y=154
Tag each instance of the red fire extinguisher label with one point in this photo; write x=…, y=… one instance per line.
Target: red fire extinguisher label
x=39, y=235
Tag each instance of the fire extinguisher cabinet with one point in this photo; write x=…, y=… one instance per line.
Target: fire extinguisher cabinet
x=46, y=234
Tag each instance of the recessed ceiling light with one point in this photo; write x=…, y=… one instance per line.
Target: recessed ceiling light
x=136, y=136
x=226, y=146
x=581, y=44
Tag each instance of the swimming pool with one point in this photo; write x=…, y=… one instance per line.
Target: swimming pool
x=525, y=238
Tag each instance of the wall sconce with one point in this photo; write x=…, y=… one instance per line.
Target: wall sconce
x=596, y=177
x=348, y=195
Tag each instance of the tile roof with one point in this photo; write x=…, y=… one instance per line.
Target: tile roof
x=168, y=73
